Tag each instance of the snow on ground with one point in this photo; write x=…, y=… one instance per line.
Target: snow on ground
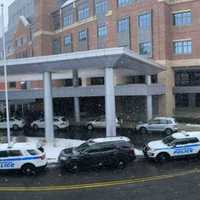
x=193, y=125
x=52, y=152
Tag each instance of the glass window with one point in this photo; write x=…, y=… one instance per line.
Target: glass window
x=3, y=154
x=102, y=31
x=182, y=100
x=182, y=47
x=12, y=85
x=56, y=46
x=144, y=21
x=83, y=13
x=14, y=153
x=101, y=6
x=123, y=25
x=67, y=40
x=82, y=35
x=182, y=18
x=67, y=20
x=197, y=100
x=122, y=3
x=145, y=48
x=33, y=152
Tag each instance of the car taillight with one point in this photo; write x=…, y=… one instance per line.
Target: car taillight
x=131, y=152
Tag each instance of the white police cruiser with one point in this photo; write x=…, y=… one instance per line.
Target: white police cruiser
x=179, y=144
x=26, y=157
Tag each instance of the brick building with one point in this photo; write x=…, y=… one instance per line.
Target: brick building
x=166, y=31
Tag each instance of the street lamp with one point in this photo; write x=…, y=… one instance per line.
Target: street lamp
x=5, y=75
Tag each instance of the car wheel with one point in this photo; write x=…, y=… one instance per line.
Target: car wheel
x=15, y=127
x=121, y=164
x=28, y=169
x=90, y=127
x=74, y=167
x=35, y=127
x=143, y=130
x=162, y=157
x=168, y=131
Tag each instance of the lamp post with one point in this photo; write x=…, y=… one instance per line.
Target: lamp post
x=5, y=75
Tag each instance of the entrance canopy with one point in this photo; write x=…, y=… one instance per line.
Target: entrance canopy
x=93, y=59
x=107, y=60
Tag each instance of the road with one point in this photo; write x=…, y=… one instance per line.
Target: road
x=141, y=180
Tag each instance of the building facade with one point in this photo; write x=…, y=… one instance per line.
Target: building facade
x=166, y=31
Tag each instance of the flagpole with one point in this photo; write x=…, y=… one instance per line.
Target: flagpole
x=5, y=76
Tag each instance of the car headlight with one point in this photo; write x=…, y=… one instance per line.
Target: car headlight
x=63, y=158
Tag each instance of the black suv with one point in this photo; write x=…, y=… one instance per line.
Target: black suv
x=115, y=154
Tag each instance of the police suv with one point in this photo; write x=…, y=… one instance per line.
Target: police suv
x=26, y=157
x=179, y=144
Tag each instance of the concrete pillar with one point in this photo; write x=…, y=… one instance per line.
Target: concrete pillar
x=110, y=103
x=48, y=108
x=149, y=105
x=76, y=99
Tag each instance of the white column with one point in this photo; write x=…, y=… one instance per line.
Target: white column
x=149, y=100
x=48, y=108
x=110, y=103
x=76, y=99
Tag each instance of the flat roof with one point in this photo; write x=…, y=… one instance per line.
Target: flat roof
x=92, y=59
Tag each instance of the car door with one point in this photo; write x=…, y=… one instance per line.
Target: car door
x=181, y=148
x=3, y=160
x=91, y=157
x=154, y=125
x=15, y=158
x=41, y=123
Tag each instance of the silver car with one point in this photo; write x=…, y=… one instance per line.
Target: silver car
x=158, y=124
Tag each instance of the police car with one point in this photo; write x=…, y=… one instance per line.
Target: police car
x=181, y=144
x=26, y=157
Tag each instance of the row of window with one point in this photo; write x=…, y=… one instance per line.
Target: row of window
x=187, y=78
x=180, y=18
x=183, y=100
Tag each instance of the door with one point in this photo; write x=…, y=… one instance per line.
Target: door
x=154, y=125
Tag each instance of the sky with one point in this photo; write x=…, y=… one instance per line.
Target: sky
x=6, y=4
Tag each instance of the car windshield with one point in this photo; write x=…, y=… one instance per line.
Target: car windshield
x=168, y=139
x=82, y=147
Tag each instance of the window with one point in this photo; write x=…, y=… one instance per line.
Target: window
x=97, y=81
x=101, y=6
x=182, y=18
x=182, y=100
x=68, y=40
x=56, y=46
x=12, y=85
x=82, y=35
x=3, y=154
x=33, y=152
x=23, y=85
x=144, y=21
x=182, y=47
x=123, y=25
x=56, y=20
x=83, y=13
x=145, y=48
x=122, y=3
x=102, y=31
x=14, y=153
x=67, y=20
x=197, y=100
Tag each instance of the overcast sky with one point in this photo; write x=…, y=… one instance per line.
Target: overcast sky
x=6, y=4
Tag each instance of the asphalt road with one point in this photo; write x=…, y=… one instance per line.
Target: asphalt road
x=141, y=180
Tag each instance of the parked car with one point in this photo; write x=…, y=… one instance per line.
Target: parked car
x=99, y=123
x=177, y=145
x=98, y=153
x=15, y=123
x=158, y=124
x=59, y=123
x=26, y=157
